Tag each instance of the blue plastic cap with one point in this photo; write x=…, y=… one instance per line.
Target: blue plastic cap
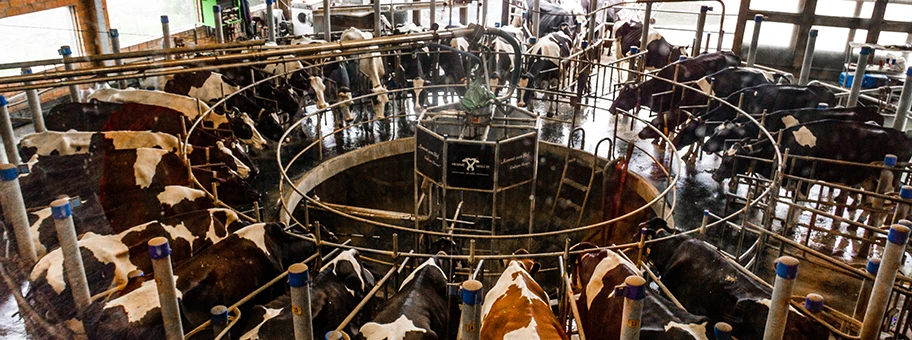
x=705, y=212
x=61, y=208
x=497, y=24
x=813, y=303
x=217, y=9
x=532, y=40
x=26, y=70
x=704, y=9
x=758, y=18
x=634, y=288
x=65, y=51
x=159, y=248
x=114, y=33
x=470, y=294
x=909, y=71
x=682, y=58
x=865, y=50
x=585, y=44
x=298, y=275
x=787, y=267
x=890, y=160
x=8, y=172
x=270, y=2
x=812, y=33
x=164, y=19
x=823, y=106
x=722, y=331
x=634, y=50
x=873, y=266
x=3, y=101
x=906, y=191
x=219, y=315
x=899, y=234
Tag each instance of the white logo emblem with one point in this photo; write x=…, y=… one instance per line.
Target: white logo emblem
x=470, y=163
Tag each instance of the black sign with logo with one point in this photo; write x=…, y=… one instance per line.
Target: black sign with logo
x=429, y=152
x=470, y=165
x=517, y=160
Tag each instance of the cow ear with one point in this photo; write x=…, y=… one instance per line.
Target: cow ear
x=535, y=267
x=353, y=282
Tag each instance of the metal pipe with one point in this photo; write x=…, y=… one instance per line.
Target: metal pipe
x=536, y=18
x=634, y=292
x=327, y=21
x=299, y=280
x=219, y=319
x=270, y=23
x=905, y=101
x=633, y=63
x=722, y=331
x=219, y=28
x=704, y=222
x=808, y=58
x=115, y=48
x=34, y=102
x=644, y=36
x=470, y=322
x=593, y=9
x=433, y=12
x=701, y=22
x=859, y=75
x=883, y=284
x=160, y=253
x=7, y=134
x=755, y=39
x=166, y=36
x=66, y=52
x=786, y=272
x=336, y=335
x=14, y=211
x=902, y=209
x=378, y=29
x=72, y=258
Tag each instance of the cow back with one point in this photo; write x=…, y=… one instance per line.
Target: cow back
x=90, y=116
x=514, y=304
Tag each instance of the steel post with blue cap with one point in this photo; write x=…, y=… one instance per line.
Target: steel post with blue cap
x=299, y=280
x=218, y=316
x=860, y=67
x=823, y=106
x=219, y=25
x=722, y=331
x=270, y=22
x=701, y=22
x=115, y=48
x=634, y=292
x=902, y=208
x=160, y=252
x=14, y=211
x=861, y=305
x=808, y=58
x=813, y=302
x=34, y=103
x=470, y=322
x=786, y=272
x=883, y=283
x=166, y=36
x=6, y=132
x=755, y=40
x=905, y=102
x=66, y=52
x=647, y=15
x=72, y=258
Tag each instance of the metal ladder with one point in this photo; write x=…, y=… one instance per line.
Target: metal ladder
x=585, y=189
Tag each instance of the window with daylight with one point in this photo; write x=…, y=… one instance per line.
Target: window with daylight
x=139, y=21
x=43, y=32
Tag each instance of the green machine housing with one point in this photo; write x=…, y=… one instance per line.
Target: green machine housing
x=231, y=11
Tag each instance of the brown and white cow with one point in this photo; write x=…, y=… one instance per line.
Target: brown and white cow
x=55, y=143
x=109, y=259
x=517, y=307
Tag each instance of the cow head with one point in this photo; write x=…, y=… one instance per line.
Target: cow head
x=528, y=264
x=727, y=131
x=649, y=133
x=694, y=130
x=341, y=284
x=627, y=98
x=729, y=161
x=246, y=130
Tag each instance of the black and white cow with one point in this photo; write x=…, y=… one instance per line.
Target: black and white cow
x=596, y=274
x=659, y=53
x=542, y=69
x=264, y=251
x=88, y=216
x=633, y=95
x=371, y=66
x=500, y=63
x=742, y=128
x=414, y=64
x=824, y=139
x=706, y=283
x=419, y=310
x=755, y=100
x=553, y=18
x=108, y=259
x=338, y=287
